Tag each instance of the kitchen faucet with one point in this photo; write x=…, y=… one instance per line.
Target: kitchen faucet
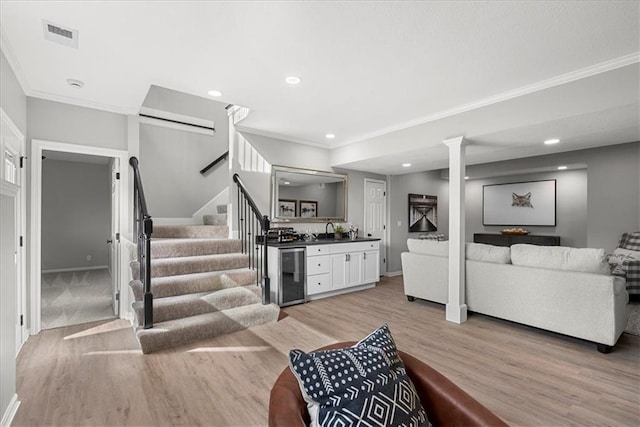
x=326, y=229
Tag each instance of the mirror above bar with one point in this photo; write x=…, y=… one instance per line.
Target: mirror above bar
x=304, y=195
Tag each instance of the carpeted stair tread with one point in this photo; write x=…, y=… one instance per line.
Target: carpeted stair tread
x=171, y=308
x=197, y=264
x=177, y=332
x=191, y=231
x=183, y=247
x=210, y=281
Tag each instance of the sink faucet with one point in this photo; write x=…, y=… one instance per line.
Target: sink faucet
x=326, y=229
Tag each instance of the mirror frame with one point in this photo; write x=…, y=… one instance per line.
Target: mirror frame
x=275, y=194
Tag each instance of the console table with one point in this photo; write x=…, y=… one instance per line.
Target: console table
x=512, y=239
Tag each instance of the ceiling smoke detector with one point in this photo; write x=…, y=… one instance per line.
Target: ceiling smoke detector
x=75, y=83
x=59, y=34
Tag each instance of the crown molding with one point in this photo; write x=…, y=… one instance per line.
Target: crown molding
x=572, y=76
x=12, y=59
x=83, y=103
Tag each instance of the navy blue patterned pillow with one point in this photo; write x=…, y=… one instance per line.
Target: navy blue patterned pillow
x=366, y=384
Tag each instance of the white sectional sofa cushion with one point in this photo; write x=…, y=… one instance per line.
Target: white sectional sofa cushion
x=586, y=260
x=488, y=253
x=428, y=247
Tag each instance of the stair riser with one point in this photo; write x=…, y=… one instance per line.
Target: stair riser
x=185, y=248
x=208, y=303
x=191, y=232
x=162, y=287
x=177, y=266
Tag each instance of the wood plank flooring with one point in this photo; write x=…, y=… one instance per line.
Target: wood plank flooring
x=96, y=375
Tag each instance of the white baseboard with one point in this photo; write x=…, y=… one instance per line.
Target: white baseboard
x=11, y=411
x=393, y=273
x=64, y=270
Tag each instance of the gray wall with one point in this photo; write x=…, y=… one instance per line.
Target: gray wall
x=613, y=188
x=12, y=98
x=170, y=159
x=55, y=121
x=286, y=153
x=170, y=164
x=595, y=204
x=429, y=183
x=571, y=206
x=76, y=214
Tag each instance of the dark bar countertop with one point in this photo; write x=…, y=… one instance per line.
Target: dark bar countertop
x=330, y=241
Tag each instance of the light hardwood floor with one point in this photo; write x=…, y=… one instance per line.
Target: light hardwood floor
x=95, y=374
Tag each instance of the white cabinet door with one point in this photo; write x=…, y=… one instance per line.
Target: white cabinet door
x=371, y=268
x=354, y=268
x=346, y=270
x=338, y=271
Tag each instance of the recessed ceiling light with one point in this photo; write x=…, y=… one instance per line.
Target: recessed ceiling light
x=75, y=83
x=406, y=165
x=466, y=177
x=561, y=168
x=293, y=80
x=329, y=136
x=551, y=141
x=215, y=93
x=287, y=183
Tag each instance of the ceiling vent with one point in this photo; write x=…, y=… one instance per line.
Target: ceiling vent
x=59, y=34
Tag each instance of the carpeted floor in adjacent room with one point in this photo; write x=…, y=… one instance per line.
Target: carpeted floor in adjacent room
x=75, y=297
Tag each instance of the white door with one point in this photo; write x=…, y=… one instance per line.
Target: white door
x=375, y=215
x=114, y=239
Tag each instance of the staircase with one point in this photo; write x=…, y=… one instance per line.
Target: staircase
x=202, y=287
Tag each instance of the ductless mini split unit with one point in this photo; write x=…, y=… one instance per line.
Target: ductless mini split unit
x=59, y=34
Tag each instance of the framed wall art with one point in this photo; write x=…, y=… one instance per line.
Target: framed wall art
x=308, y=209
x=286, y=208
x=520, y=203
x=423, y=213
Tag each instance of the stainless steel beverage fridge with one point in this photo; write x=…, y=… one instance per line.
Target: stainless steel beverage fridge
x=293, y=277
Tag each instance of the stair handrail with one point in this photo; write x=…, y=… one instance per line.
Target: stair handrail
x=215, y=162
x=248, y=230
x=142, y=230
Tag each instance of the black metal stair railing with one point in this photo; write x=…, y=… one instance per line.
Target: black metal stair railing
x=142, y=230
x=252, y=230
x=215, y=162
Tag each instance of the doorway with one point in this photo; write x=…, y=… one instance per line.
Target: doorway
x=77, y=203
x=375, y=216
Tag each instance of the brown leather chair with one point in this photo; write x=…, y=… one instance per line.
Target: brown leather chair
x=446, y=403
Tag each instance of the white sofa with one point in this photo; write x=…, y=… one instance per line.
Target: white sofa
x=564, y=290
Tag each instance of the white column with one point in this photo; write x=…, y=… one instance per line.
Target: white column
x=456, y=310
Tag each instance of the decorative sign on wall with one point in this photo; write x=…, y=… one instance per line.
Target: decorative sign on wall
x=423, y=213
x=520, y=203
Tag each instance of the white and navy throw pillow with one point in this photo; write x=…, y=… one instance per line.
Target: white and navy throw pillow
x=366, y=385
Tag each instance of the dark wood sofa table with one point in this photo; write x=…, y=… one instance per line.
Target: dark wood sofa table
x=498, y=239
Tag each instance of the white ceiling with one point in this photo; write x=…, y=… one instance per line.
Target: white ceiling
x=390, y=79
